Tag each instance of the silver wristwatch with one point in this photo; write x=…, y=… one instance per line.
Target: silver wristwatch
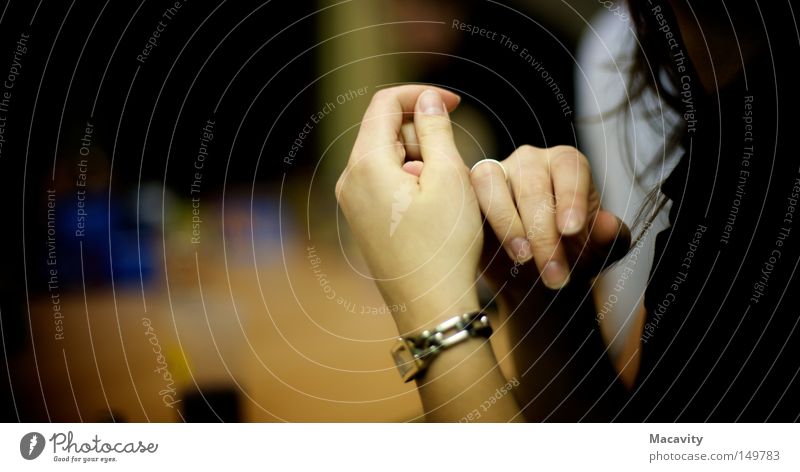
x=413, y=354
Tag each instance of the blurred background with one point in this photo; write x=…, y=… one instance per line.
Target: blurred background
x=173, y=249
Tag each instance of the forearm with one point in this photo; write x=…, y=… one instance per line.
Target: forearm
x=464, y=383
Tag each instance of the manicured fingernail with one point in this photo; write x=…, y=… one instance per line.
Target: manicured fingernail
x=555, y=275
x=430, y=102
x=520, y=250
x=572, y=223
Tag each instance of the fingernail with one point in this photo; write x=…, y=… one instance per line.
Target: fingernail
x=520, y=250
x=555, y=275
x=572, y=223
x=430, y=102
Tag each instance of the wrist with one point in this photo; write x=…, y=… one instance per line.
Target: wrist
x=413, y=354
x=429, y=311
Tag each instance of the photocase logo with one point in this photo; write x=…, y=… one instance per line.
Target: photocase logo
x=31, y=445
x=402, y=200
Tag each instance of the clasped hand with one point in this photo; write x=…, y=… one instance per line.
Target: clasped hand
x=416, y=209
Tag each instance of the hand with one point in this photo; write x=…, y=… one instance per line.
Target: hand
x=419, y=228
x=549, y=211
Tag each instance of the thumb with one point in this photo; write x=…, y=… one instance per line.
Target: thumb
x=435, y=135
x=612, y=235
x=608, y=242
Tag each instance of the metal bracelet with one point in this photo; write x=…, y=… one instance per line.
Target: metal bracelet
x=413, y=353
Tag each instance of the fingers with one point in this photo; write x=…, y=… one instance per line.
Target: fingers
x=436, y=144
x=608, y=240
x=383, y=119
x=410, y=141
x=572, y=181
x=413, y=167
x=611, y=234
x=494, y=197
x=413, y=157
x=530, y=177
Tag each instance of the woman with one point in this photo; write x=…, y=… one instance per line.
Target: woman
x=718, y=327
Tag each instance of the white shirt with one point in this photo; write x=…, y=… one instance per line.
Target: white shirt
x=620, y=145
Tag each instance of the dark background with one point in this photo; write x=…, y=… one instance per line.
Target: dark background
x=148, y=121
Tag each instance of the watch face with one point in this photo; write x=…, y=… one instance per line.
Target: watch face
x=406, y=363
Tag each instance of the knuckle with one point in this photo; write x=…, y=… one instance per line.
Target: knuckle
x=572, y=165
x=565, y=148
x=567, y=155
x=482, y=175
x=544, y=244
x=539, y=219
x=526, y=151
x=525, y=197
x=568, y=162
x=382, y=95
x=562, y=149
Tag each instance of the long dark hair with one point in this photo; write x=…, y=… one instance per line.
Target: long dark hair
x=653, y=70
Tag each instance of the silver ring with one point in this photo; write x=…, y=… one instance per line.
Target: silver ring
x=493, y=161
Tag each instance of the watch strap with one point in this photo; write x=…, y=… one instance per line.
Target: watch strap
x=412, y=354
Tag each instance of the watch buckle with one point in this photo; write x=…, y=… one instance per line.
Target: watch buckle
x=407, y=363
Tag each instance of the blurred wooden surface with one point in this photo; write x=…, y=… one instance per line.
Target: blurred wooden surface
x=266, y=329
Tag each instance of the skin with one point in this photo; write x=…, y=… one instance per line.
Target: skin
x=540, y=204
x=430, y=262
